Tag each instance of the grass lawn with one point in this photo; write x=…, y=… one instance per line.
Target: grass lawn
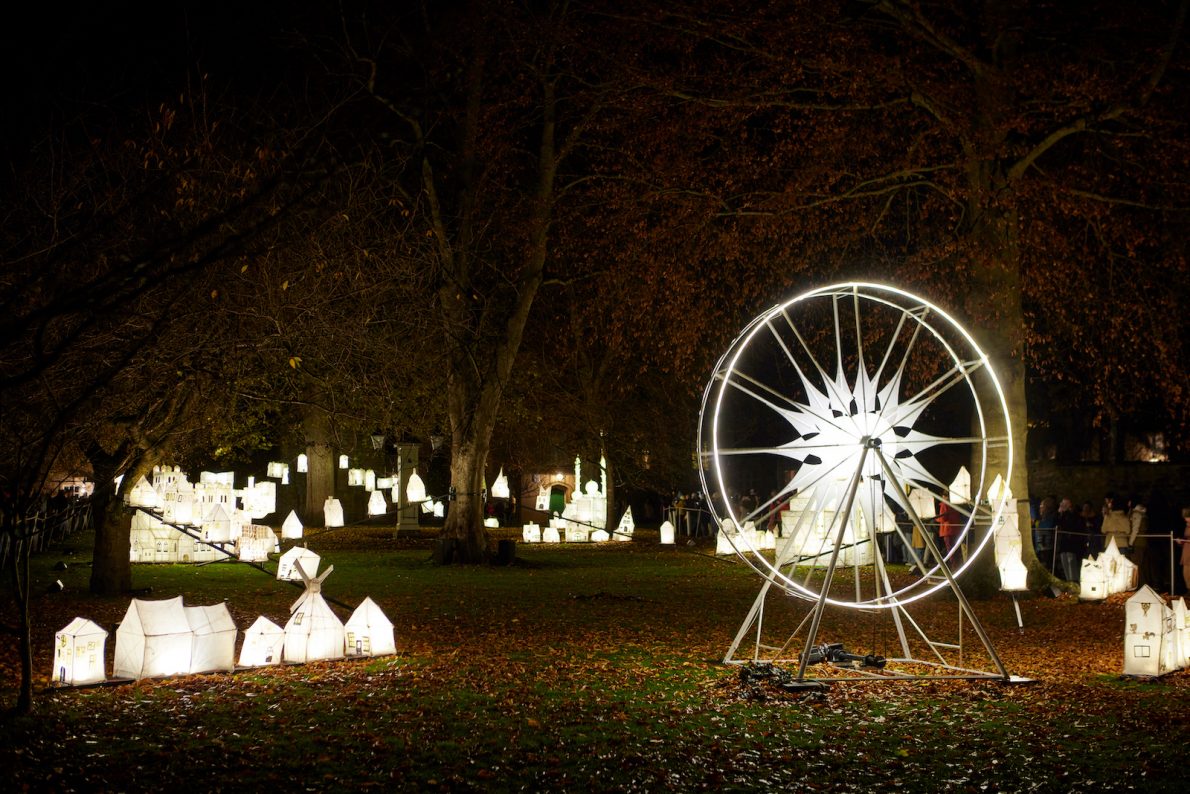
x=583, y=668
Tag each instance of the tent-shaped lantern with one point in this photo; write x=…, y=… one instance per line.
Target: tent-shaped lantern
x=213, y=646
x=313, y=632
x=368, y=632
x=376, y=504
x=332, y=512
x=287, y=566
x=153, y=639
x=667, y=533
x=263, y=643
x=291, y=527
x=960, y=487
x=79, y=653
x=1149, y=643
x=626, y=526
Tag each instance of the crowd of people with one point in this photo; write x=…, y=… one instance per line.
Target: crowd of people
x=1063, y=536
x=1063, y=533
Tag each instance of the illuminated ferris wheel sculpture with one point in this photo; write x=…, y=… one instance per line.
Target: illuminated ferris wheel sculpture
x=850, y=408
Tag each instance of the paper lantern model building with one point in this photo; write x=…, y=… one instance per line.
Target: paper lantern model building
x=600, y=536
x=213, y=639
x=263, y=644
x=500, y=486
x=79, y=653
x=626, y=526
x=313, y=632
x=368, y=632
x=291, y=527
x=531, y=533
x=153, y=639
x=332, y=512
x=355, y=477
x=724, y=540
x=376, y=504
x=550, y=535
x=287, y=566
x=1149, y=635
x=667, y=533
x=303, y=463
x=143, y=495
x=1092, y=581
x=492, y=522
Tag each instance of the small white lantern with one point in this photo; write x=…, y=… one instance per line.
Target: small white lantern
x=275, y=469
x=1092, y=581
x=1148, y=634
x=439, y=510
x=1013, y=575
x=291, y=528
x=492, y=523
x=384, y=483
x=355, y=477
x=550, y=535
x=368, y=632
x=369, y=480
x=344, y=462
x=263, y=644
x=376, y=504
x=415, y=489
x=531, y=533
x=667, y=533
x=500, y=486
x=79, y=653
x=287, y=566
x=303, y=463
x=724, y=542
x=960, y=488
x=600, y=536
x=332, y=512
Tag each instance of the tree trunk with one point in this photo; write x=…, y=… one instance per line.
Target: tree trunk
x=21, y=585
x=111, y=568
x=320, y=466
x=463, y=539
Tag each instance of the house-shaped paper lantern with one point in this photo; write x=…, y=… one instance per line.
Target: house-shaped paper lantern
x=500, y=486
x=369, y=480
x=291, y=527
x=550, y=534
x=1092, y=581
x=368, y=632
x=531, y=533
x=256, y=543
x=260, y=499
x=303, y=463
x=214, y=642
x=263, y=643
x=143, y=495
x=1120, y=571
x=1148, y=635
x=376, y=504
x=1013, y=575
x=667, y=533
x=287, y=566
x=313, y=632
x=332, y=512
x=216, y=528
x=415, y=488
x=626, y=526
x=600, y=536
x=355, y=477
x=153, y=639
x=724, y=540
x=79, y=653
x=276, y=469
x=344, y=462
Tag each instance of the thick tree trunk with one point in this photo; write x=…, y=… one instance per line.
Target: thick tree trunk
x=111, y=568
x=320, y=463
x=463, y=539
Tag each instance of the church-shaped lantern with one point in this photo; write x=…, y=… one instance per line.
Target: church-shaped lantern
x=626, y=526
x=1148, y=635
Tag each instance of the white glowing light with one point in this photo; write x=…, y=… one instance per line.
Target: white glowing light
x=852, y=420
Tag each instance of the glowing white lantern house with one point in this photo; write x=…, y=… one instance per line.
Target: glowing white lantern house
x=415, y=489
x=667, y=533
x=303, y=463
x=626, y=526
x=332, y=512
x=960, y=487
x=355, y=477
x=263, y=644
x=314, y=631
x=376, y=504
x=369, y=480
x=276, y=469
x=79, y=653
x=1149, y=642
x=727, y=534
x=368, y=632
x=1092, y=581
x=531, y=533
x=344, y=462
x=291, y=527
x=287, y=566
x=600, y=536
x=213, y=644
x=153, y=639
x=500, y=486
x=550, y=535
x=143, y=495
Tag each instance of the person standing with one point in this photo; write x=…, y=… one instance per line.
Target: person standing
x=1071, y=541
x=1185, y=544
x=950, y=525
x=1116, y=525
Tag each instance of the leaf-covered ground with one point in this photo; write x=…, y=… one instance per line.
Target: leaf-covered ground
x=586, y=668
